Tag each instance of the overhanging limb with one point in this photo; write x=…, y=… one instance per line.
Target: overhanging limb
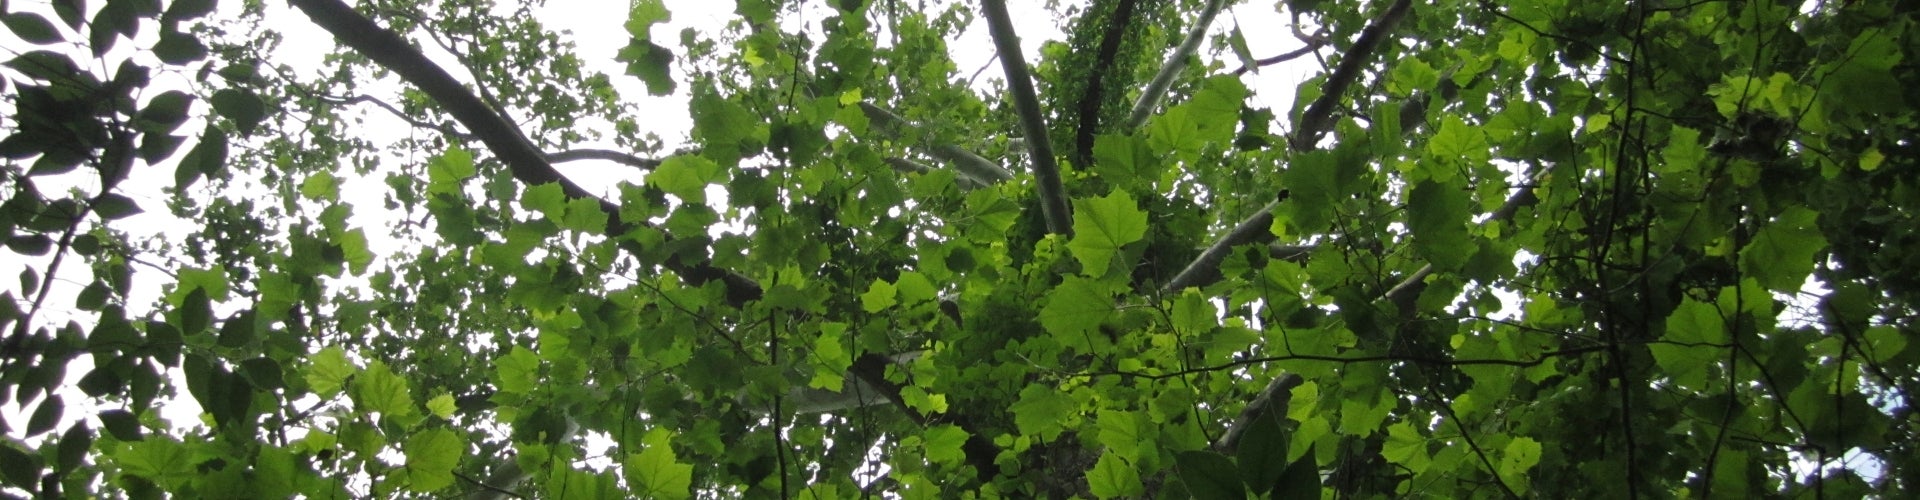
x=1046, y=170
x=528, y=163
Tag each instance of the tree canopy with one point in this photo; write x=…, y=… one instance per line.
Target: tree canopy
x=1528, y=248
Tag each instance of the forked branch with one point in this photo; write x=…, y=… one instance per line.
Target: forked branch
x=1318, y=116
x=528, y=163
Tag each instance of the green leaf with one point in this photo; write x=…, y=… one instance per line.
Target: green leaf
x=329, y=371
x=380, y=390
x=549, y=199
x=685, y=176
x=187, y=10
x=1237, y=41
x=1193, y=314
x=195, y=312
x=584, y=215
x=1301, y=479
x=432, y=455
x=442, y=406
x=1124, y=160
x=70, y=12
x=830, y=358
x=1782, y=254
x=18, y=468
x=1041, y=411
x=945, y=444
x=915, y=288
x=1455, y=140
x=1120, y=433
x=1522, y=453
x=1262, y=453
x=1690, y=347
x=113, y=206
x=721, y=123
x=1884, y=343
x=243, y=107
x=354, y=249
x=651, y=63
x=1075, y=308
x=1101, y=226
x=1437, y=215
x=32, y=28
x=165, y=112
x=643, y=15
x=1410, y=75
x=1210, y=475
x=179, y=48
x=121, y=424
x=207, y=158
x=518, y=372
x=75, y=444
x=447, y=170
x=162, y=461
x=237, y=331
x=879, y=295
x=655, y=472
x=1215, y=109
x=29, y=281
x=1114, y=477
x=46, y=415
x=321, y=186
x=263, y=372
x=1312, y=189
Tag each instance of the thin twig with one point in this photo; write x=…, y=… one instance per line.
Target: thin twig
x=1289, y=56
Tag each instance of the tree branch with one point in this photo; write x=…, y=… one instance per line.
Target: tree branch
x=1255, y=228
x=1274, y=398
x=603, y=154
x=980, y=450
x=1319, y=115
x=1053, y=197
x=526, y=161
x=1093, y=98
x=971, y=167
x=1176, y=62
x=1205, y=269
x=1289, y=56
x=1523, y=196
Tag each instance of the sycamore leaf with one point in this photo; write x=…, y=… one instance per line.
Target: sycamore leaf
x=381, y=390
x=329, y=371
x=655, y=471
x=431, y=456
x=442, y=406
x=1210, y=475
x=1689, y=348
x=830, y=358
x=518, y=371
x=880, y=295
x=944, y=443
x=1075, y=308
x=685, y=176
x=1522, y=453
x=1101, y=226
x=1782, y=254
x=1041, y=411
x=1437, y=214
x=1114, y=477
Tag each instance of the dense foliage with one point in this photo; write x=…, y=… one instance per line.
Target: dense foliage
x=1525, y=248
